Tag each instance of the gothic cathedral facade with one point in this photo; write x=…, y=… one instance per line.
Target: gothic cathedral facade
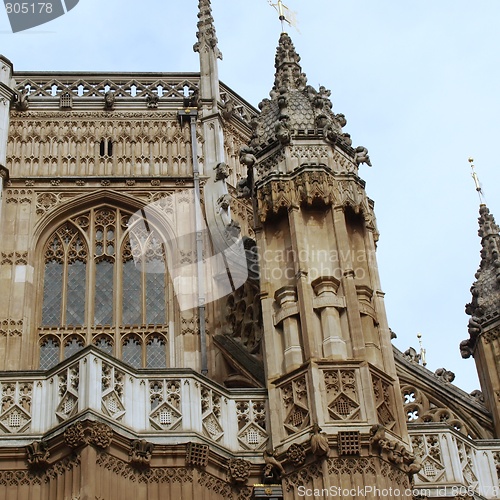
x=192, y=306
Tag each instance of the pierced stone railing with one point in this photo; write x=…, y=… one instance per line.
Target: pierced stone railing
x=453, y=465
x=164, y=404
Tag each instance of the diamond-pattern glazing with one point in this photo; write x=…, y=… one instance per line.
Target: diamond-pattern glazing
x=49, y=354
x=155, y=299
x=132, y=352
x=132, y=296
x=155, y=353
x=103, y=309
x=72, y=346
x=75, y=298
x=52, y=294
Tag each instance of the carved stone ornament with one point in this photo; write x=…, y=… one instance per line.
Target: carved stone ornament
x=38, y=455
x=109, y=100
x=273, y=470
x=411, y=355
x=444, y=375
x=152, y=101
x=394, y=451
x=4, y=173
x=221, y=172
x=319, y=442
x=22, y=102
x=95, y=433
x=362, y=156
x=478, y=396
x=140, y=453
x=238, y=470
x=296, y=454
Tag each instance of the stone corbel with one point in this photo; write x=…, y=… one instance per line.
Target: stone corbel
x=286, y=298
x=326, y=299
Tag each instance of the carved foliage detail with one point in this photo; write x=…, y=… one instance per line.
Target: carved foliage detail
x=238, y=470
x=95, y=433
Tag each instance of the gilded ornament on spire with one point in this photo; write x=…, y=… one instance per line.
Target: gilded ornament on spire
x=207, y=36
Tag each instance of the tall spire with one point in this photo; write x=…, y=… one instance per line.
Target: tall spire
x=206, y=34
x=209, y=52
x=287, y=63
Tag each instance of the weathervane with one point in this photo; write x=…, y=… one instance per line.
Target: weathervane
x=422, y=350
x=476, y=181
x=285, y=14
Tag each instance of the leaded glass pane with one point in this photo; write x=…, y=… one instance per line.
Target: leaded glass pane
x=132, y=296
x=49, y=354
x=132, y=352
x=72, y=346
x=75, y=300
x=155, y=298
x=103, y=309
x=104, y=345
x=155, y=353
x=52, y=294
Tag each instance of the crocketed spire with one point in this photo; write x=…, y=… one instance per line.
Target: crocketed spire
x=206, y=28
x=485, y=305
x=295, y=109
x=287, y=63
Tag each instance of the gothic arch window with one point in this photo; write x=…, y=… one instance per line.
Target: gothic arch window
x=49, y=353
x=155, y=352
x=101, y=276
x=132, y=351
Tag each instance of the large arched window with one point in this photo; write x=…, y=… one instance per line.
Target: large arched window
x=100, y=275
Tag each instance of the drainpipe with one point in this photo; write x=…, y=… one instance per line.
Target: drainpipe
x=191, y=115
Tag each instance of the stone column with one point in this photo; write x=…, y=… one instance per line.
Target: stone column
x=286, y=298
x=325, y=288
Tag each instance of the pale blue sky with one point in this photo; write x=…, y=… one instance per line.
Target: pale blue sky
x=417, y=81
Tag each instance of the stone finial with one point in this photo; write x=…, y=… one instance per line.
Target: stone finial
x=289, y=74
x=206, y=29
x=37, y=455
x=140, y=453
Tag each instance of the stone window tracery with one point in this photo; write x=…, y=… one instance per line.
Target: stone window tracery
x=100, y=278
